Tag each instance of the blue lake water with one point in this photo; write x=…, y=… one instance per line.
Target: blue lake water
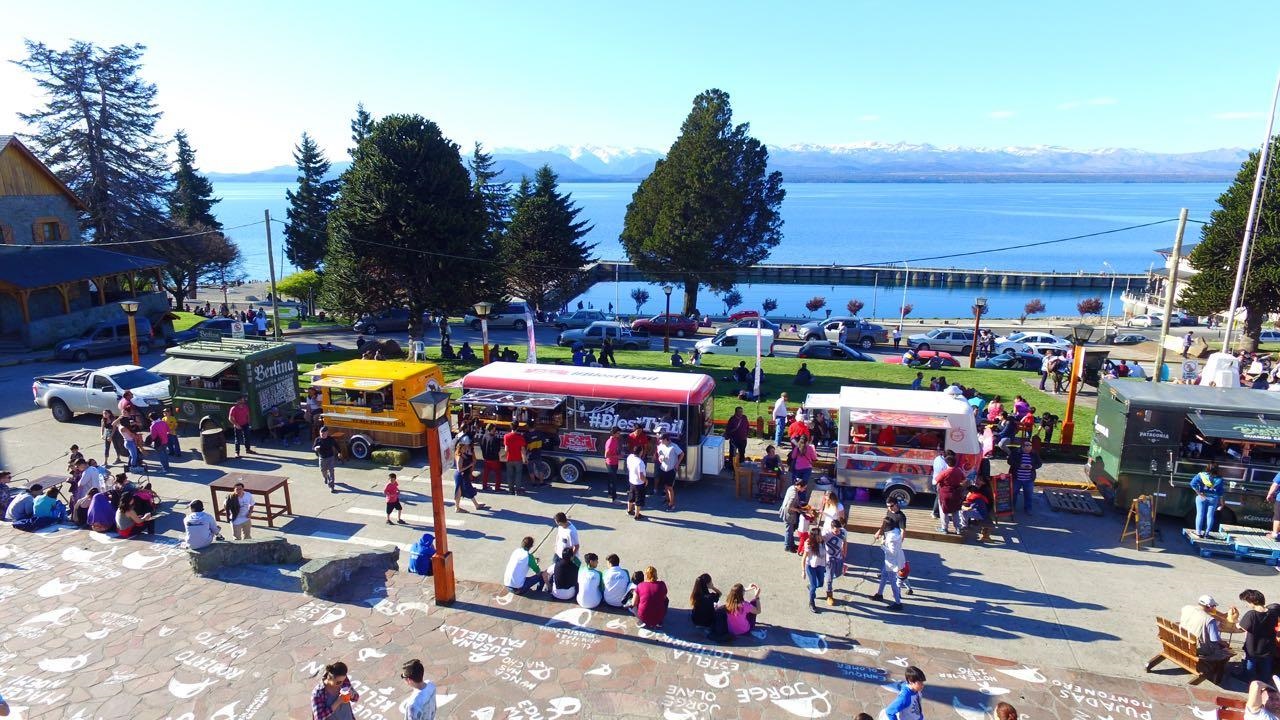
x=868, y=223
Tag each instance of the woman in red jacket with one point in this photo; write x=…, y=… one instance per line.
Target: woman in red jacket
x=950, y=487
x=651, y=600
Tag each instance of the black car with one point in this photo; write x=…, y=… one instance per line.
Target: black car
x=831, y=350
x=754, y=322
x=393, y=320
x=1010, y=361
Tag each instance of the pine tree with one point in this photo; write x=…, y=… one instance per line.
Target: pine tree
x=97, y=133
x=307, y=233
x=496, y=195
x=710, y=208
x=543, y=255
x=191, y=201
x=361, y=124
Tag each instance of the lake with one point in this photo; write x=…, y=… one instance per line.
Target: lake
x=868, y=223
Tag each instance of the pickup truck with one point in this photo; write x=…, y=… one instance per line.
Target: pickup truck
x=92, y=391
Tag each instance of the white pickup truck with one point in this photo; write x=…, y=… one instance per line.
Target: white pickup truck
x=92, y=391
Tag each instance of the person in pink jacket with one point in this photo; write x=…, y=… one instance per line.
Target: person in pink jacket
x=651, y=600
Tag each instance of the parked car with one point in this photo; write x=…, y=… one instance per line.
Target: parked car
x=926, y=358
x=1269, y=336
x=743, y=314
x=758, y=322
x=92, y=391
x=828, y=350
x=1034, y=342
x=594, y=334
x=1177, y=317
x=657, y=325
x=1146, y=321
x=220, y=325
x=948, y=339
x=580, y=319
x=1010, y=361
x=505, y=314
x=860, y=332
x=106, y=338
x=393, y=320
x=737, y=341
x=1135, y=338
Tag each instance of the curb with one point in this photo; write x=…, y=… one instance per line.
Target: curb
x=10, y=362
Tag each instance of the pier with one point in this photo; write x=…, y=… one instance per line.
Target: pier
x=780, y=274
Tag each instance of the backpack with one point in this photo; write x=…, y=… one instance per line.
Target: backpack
x=420, y=554
x=232, y=506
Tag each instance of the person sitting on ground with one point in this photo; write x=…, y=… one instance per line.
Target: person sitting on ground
x=974, y=508
x=281, y=429
x=740, y=613
x=201, y=527
x=676, y=360
x=695, y=357
x=651, y=600
x=101, y=515
x=617, y=583
x=703, y=601
x=803, y=376
x=22, y=507
x=564, y=577
x=591, y=359
x=510, y=355
x=1202, y=624
x=629, y=603
x=465, y=353
x=496, y=354
x=741, y=374
x=80, y=513
x=747, y=394
x=954, y=389
x=48, y=506
x=522, y=573
x=446, y=351
x=129, y=522
x=326, y=347
x=579, y=357
x=590, y=582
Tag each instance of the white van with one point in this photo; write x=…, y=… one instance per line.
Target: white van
x=737, y=341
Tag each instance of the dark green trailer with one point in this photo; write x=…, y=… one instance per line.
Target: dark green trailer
x=1152, y=438
x=207, y=376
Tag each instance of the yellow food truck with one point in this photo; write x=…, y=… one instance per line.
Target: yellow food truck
x=368, y=402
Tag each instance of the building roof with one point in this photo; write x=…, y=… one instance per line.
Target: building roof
x=1187, y=247
x=12, y=143
x=28, y=267
x=376, y=369
x=592, y=382
x=1237, y=401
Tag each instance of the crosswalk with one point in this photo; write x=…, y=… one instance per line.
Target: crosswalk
x=421, y=519
x=353, y=540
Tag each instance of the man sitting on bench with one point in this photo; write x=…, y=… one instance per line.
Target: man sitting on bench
x=1199, y=621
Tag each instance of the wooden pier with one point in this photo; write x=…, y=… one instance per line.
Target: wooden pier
x=778, y=274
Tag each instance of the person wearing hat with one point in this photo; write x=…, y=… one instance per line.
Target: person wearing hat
x=1200, y=622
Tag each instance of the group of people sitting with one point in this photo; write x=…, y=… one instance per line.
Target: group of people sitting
x=95, y=501
x=576, y=577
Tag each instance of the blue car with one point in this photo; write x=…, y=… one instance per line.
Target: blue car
x=1010, y=361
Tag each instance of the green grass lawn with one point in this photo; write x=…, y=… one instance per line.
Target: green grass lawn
x=829, y=376
x=184, y=320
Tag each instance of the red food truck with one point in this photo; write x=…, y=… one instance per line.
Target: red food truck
x=576, y=407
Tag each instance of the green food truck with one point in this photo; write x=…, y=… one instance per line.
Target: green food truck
x=207, y=376
x=1152, y=438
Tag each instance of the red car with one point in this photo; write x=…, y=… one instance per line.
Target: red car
x=657, y=325
x=923, y=358
x=742, y=315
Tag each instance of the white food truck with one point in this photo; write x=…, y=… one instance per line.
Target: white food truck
x=887, y=439
x=576, y=407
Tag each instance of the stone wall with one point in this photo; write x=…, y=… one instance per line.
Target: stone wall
x=49, y=331
x=321, y=576
x=268, y=551
x=20, y=212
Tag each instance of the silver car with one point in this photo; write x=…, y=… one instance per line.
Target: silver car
x=952, y=340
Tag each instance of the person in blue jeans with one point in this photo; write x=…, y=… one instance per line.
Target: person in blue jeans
x=1023, y=464
x=1209, y=488
x=1259, y=625
x=780, y=419
x=815, y=565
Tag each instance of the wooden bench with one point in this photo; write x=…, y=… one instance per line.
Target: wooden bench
x=1180, y=648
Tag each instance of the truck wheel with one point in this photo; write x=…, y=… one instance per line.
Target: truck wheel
x=922, y=346
x=866, y=343
x=519, y=325
x=966, y=349
x=143, y=348
x=901, y=493
x=359, y=448
x=571, y=471
x=60, y=411
x=80, y=355
x=680, y=333
x=371, y=329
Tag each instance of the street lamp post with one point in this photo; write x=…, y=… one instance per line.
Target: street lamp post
x=666, y=337
x=432, y=407
x=979, y=307
x=1106, y=328
x=1081, y=334
x=482, y=312
x=130, y=308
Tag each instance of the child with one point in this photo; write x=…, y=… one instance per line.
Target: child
x=1027, y=423
x=392, y=493
x=771, y=463
x=74, y=456
x=907, y=704
x=171, y=419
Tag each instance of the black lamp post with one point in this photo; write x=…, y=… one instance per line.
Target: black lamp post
x=432, y=407
x=130, y=308
x=666, y=338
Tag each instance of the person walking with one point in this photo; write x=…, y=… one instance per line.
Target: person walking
x=422, y=704
x=1023, y=464
x=517, y=455
x=837, y=548
x=464, y=467
x=637, y=482
x=736, y=431
x=779, y=419
x=613, y=458
x=132, y=442
x=491, y=451
x=171, y=419
x=326, y=450
x=332, y=697
x=391, y=493
x=239, y=511
x=793, y=502
x=890, y=534
x=239, y=418
x=910, y=694
x=111, y=438
x=1209, y=489
x=1186, y=344
x=815, y=561
x=950, y=485
x=669, y=456
x=897, y=336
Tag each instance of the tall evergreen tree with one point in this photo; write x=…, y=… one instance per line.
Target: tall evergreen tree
x=307, y=233
x=361, y=124
x=191, y=201
x=1215, y=257
x=408, y=228
x=97, y=132
x=710, y=208
x=496, y=195
x=542, y=252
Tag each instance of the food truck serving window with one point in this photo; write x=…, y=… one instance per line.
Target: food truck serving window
x=510, y=399
x=1237, y=427
x=504, y=408
x=192, y=367
x=607, y=414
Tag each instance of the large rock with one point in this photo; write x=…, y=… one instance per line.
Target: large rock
x=267, y=551
x=322, y=575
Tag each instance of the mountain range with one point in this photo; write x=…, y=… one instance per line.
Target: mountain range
x=866, y=162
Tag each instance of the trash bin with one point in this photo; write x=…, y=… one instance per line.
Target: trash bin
x=213, y=445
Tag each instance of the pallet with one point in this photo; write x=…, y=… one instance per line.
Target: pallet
x=1240, y=530
x=1078, y=502
x=1256, y=547
x=1214, y=544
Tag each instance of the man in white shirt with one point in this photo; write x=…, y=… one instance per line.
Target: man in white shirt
x=566, y=535
x=617, y=582
x=590, y=582
x=241, y=528
x=780, y=419
x=522, y=573
x=422, y=704
x=260, y=322
x=669, y=456
x=636, y=480
x=94, y=476
x=939, y=467
x=200, y=525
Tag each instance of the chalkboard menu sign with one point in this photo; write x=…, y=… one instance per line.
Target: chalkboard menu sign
x=1002, y=489
x=1142, y=519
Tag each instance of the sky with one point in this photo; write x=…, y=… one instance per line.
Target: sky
x=245, y=79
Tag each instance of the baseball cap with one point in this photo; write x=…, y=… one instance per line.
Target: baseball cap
x=1208, y=601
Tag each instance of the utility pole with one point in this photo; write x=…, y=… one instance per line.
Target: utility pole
x=1170, y=291
x=271, y=268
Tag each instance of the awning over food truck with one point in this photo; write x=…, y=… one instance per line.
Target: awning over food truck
x=191, y=367
x=591, y=382
x=1239, y=427
x=913, y=408
x=351, y=383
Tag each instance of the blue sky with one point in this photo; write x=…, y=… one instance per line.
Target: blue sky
x=246, y=78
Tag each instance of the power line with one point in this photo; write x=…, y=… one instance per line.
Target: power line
x=148, y=240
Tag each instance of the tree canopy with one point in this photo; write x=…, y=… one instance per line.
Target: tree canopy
x=710, y=208
x=307, y=233
x=542, y=252
x=191, y=201
x=496, y=195
x=408, y=229
x=1216, y=256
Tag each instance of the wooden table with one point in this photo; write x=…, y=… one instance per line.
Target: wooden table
x=261, y=486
